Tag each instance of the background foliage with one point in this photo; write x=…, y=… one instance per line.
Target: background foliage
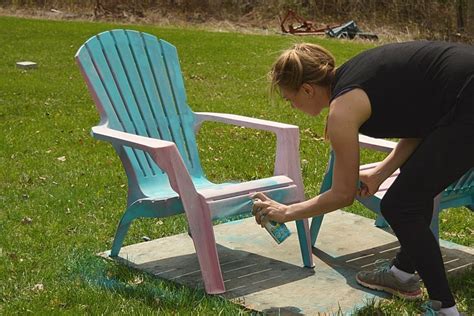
x=440, y=19
x=62, y=193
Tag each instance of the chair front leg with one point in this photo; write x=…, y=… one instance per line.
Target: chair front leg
x=304, y=237
x=326, y=185
x=434, y=225
x=380, y=222
x=287, y=163
x=121, y=232
x=204, y=241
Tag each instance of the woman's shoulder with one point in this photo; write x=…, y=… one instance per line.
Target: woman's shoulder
x=353, y=106
x=373, y=64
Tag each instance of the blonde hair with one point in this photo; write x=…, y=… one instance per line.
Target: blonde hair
x=303, y=63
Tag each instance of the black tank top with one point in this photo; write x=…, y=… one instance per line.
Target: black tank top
x=412, y=86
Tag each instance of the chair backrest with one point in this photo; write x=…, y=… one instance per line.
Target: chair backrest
x=136, y=82
x=460, y=192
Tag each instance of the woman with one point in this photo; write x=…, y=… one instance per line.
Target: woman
x=421, y=92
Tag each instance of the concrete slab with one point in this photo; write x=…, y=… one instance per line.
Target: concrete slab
x=264, y=276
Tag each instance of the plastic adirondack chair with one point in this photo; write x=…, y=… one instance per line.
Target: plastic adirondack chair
x=460, y=193
x=136, y=83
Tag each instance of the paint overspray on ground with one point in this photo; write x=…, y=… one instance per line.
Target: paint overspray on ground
x=266, y=277
x=107, y=275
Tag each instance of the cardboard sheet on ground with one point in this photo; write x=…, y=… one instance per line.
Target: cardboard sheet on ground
x=264, y=276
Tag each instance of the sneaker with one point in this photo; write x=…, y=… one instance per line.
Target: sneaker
x=433, y=308
x=383, y=279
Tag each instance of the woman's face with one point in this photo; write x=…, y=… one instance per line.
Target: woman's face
x=310, y=98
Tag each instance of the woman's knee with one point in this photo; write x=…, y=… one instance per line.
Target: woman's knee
x=399, y=207
x=395, y=204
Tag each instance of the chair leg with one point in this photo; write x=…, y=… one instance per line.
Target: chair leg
x=325, y=186
x=435, y=225
x=435, y=218
x=315, y=227
x=305, y=245
x=381, y=222
x=122, y=230
x=205, y=244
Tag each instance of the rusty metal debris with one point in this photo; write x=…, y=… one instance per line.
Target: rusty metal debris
x=292, y=23
x=302, y=27
x=350, y=30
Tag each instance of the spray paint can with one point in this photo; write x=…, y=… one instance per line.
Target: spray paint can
x=278, y=231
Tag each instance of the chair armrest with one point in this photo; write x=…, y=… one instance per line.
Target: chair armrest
x=131, y=140
x=376, y=143
x=240, y=120
x=164, y=153
x=287, y=160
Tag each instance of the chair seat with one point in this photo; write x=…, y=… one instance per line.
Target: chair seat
x=228, y=190
x=463, y=187
x=225, y=199
x=459, y=193
x=234, y=198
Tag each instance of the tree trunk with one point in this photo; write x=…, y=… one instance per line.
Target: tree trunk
x=460, y=15
x=469, y=26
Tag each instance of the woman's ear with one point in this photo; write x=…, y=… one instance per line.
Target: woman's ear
x=308, y=89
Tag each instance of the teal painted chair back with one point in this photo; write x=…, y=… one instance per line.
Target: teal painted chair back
x=137, y=84
x=460, y=193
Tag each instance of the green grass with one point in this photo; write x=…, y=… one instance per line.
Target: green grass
x=75, y=204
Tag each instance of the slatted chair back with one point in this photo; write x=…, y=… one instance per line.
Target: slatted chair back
x=460, y=192
x=137, y=84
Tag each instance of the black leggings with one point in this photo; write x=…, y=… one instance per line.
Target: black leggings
x=441, y=158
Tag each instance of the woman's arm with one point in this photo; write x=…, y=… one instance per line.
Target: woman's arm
x=373, y=178
x=344, y=182
x=346, y=115
x=398, y=155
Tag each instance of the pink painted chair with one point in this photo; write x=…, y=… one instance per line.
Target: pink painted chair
x=136, y=83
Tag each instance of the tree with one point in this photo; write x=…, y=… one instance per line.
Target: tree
x=469, y=26
x=460, y=15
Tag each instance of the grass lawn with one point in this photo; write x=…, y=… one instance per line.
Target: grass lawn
x=62, y=193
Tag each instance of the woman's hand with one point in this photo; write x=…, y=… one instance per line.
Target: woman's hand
x=370, y=183
x=265, y=209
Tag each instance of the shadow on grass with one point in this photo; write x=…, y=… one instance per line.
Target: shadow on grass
x=244, y=272
x=136, y=285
